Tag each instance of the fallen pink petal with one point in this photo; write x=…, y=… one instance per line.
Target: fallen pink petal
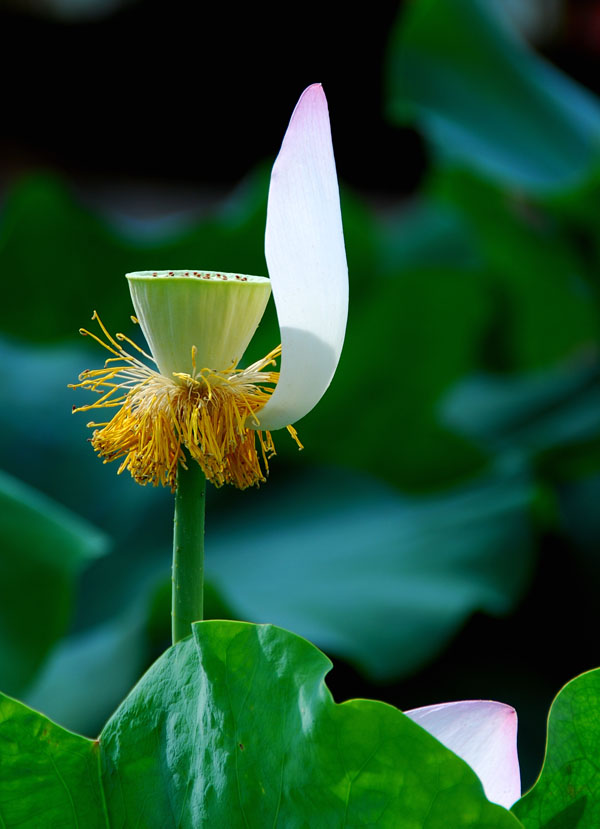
x=484, y=734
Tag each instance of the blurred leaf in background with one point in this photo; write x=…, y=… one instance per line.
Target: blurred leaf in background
x=43, y=547
x=539, y=414
x=379, y=579
x=65, y=260
x=486, y=101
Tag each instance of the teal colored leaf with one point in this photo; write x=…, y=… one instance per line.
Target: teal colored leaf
x=49, y=777
x=89, y=673
x=235, y=727
x=43, y=548
x=403, y=351
x=578, y=500
x=550, y=419
x=486, y=101
x=532, y=413
x=411, y=570
x=58, y=256
x=567, y=792
x=62, y=255
x=426, y=233
x=533, y=268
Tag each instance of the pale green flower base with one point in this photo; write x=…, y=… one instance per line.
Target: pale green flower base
x=217, y=313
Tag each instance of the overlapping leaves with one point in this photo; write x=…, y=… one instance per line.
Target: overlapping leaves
x=195, y=745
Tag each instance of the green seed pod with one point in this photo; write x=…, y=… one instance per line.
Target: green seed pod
x=214, y=313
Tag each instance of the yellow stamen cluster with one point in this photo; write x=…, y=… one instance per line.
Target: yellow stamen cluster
x=159, y=417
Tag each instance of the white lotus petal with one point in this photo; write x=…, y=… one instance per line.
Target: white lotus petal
x=304, y=246
x=484, y=734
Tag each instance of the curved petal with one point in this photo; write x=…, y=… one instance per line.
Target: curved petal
x=304, y=247
x=484, y=734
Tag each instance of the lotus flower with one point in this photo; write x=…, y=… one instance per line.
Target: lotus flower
x=198, y=324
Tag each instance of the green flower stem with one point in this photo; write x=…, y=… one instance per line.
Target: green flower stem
x=188, y=550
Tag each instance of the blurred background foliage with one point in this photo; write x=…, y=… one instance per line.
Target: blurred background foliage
x=439, y=534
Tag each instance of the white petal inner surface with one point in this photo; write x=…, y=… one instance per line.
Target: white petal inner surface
x=484, y=734
x=304, y=246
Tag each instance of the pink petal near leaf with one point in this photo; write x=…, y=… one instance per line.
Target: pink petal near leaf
x=484, y=734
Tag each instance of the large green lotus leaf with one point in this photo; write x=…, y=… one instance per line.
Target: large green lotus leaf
x=378, y=578
x=235, y=727
x=486, y=101
x=49, y=777
x=43, y=547
x=567, y=792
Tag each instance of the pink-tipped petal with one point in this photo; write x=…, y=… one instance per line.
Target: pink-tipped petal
x=484, y=734
x=304, y=247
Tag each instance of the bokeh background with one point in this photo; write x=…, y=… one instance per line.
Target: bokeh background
x=439, y=535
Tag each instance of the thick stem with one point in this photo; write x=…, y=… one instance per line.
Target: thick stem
x=188, y=550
